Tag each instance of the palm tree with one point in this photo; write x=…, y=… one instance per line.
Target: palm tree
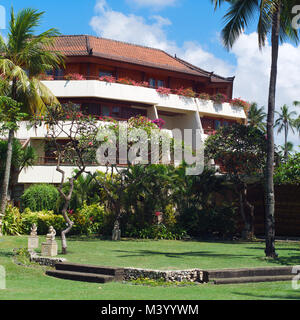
x=275, y=18
x=289, y=147
x=23, y=58
x=285, y=122
x=256, y=117
x=297, y=121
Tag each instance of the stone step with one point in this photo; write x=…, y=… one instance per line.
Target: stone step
x=117, y=273
x=252, y=279
x=80, y=276
x=249, y=272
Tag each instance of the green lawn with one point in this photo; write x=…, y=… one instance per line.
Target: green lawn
x=31, y=283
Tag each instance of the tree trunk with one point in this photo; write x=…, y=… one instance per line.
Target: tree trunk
x=248, y=218
x=285, y=143
x=6, y=178
x=69, y=223
x=269, y=183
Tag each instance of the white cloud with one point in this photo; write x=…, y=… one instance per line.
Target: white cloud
x=252, y=69
x=253, y=73
x=155, y=4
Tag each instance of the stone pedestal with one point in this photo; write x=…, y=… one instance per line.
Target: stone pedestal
x=49, y=248
x=33, y=242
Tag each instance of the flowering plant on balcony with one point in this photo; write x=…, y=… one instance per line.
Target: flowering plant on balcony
x=186, y=92
x=204, y=96
x=109, y=79
x=219, y=98
x=240, y=103
x=126, y=81
x=74, y=76
x=159, y=122
x=142, y=84
x=164, y=91
x=46, y=77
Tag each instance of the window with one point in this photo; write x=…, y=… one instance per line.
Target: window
x=91, y=108
x=156, y=83
x=105, y=111
x=115, y=111
x=152, y=83
x=217, y=124
x=103, y=73
x=160, y=83
x=58, y=74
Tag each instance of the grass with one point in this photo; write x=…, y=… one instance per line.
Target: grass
x=31, y=282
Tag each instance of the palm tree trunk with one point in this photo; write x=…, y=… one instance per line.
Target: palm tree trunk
x=285, y=143
x=269, y=183
x=5, y=184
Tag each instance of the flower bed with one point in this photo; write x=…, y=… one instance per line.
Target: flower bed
x=184, y=92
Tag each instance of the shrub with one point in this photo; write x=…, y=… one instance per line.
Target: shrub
x=204, y=96
x=12, y=221
x=74, y=76
x=43, y=219
x=90, y=219
x=219, y=98
x=217, y=221
x=40, y=197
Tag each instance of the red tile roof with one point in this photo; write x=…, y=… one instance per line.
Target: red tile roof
x=81, y=45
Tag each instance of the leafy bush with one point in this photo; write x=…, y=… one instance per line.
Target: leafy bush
x=159, y=231
x=12, y=221
x=40, y=197
x=90, y=219
x=289, y=172
x=217, y=221
x=43, y=219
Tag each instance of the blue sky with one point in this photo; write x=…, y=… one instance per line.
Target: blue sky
x=189, y=28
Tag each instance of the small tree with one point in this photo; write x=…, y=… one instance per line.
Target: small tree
x=116, y=178
x=80, y=132
x=241, y=151
x=10, y=115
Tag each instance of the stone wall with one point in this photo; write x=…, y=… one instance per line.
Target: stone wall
x=45, y=261
x=192, y=275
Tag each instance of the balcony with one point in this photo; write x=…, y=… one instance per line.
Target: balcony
x=130, y=93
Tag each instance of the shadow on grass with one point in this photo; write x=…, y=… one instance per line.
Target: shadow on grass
x=179, y=255
x=269, y=297
x=6, y=254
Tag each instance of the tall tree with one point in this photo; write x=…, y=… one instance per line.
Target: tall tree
x=256, y=117
x=275, y=18
x=23, y=58
x=285, y=121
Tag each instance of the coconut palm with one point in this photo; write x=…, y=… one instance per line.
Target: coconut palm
x=274, y=17
x=285, y=121
x=23, y=58
x=256, y=117
x=289, y=147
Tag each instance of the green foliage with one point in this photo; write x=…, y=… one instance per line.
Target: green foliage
x=159, y=232
x=219, y=221
x=240, y=149
x=40, y=197
x=21, y=157
x=94, y=217
x=10, y=114
x=288, y=172
x=12, y=224
x=161, y=283
x=43, y=219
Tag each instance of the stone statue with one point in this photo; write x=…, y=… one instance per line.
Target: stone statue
x=51, y=235
x=116, y=234
x=49, y=248
x=33, y=230
x=33, y=239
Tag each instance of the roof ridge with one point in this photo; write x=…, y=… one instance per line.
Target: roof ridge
x=114, y=40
